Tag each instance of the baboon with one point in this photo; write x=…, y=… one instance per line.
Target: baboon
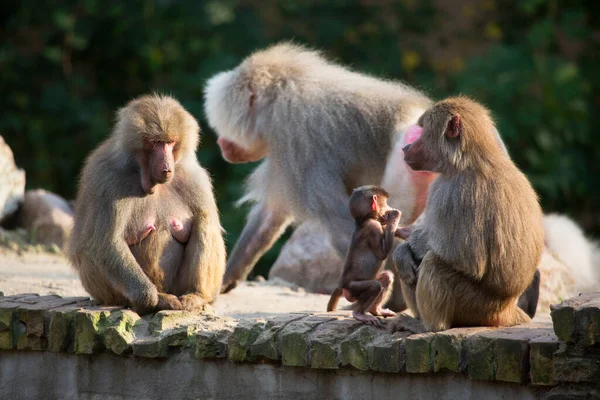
x=362, y=280
x=320, y=129
x=147, y=232
x=481, y=237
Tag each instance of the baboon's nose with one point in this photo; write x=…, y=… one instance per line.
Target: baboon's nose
x=405, y=148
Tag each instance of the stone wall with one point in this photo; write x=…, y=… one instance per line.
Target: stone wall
x=50, y=335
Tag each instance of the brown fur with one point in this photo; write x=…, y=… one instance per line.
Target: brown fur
x=118, y=260
x=362, y=281
x=482, y=235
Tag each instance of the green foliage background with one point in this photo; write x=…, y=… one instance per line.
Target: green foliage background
x=66, y=66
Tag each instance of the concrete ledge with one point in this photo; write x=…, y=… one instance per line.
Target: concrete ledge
x=526, y=361
x=44, y=375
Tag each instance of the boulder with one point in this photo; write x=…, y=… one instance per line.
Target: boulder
x=309, y=260
x=47, y=216
x=12, y=184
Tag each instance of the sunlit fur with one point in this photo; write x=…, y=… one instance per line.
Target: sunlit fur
x=483, y=225
x=319, y=117
x=567, y=242
x=111, y=203
x=155, y=118
x=328, y=130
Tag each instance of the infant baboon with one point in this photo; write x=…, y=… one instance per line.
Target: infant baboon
x=481, y=236
x=362, y=280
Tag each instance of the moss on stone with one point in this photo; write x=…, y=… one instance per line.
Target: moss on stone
x=480, y=357
x=418, y=353
x=242, y=338
x=512, y=356
x=541, y=359
x=355, y=348
x=89, y=326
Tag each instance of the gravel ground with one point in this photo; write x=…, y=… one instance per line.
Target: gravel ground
x=34, y=269
x=46, y=273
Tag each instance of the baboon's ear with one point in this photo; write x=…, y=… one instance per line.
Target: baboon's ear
x=374, y=203
x=454, y=127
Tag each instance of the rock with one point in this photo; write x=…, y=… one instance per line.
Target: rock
x=576, y=364
x=418, y=353
x=325, y=340
x=12, y=184
x=213, y=344
x=61, y=330
x=119, y=336
x=447, y=348
x=294, y=341
x=480, y=357
x=35, y=318
x=267, y=344
x=541, y=359
x=240, y=341
x=368, y=349
x=567, y=313
x=309, y=260
x=89, y=327
x=574, y=392
x=47, y=217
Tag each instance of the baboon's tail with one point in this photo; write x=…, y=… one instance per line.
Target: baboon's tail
x=333, y=300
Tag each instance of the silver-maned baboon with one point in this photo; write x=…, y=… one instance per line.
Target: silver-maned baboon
x=321, y=130
x=147, y=231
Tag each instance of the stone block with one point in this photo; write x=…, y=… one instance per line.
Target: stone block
x=447, y=348
x=7, y=315
x=418, y=352
x=213, y=343
x=576, y=364
x=119, y=333
x=502, y=354
x=150, y=347
x=574, y=392
x=169, y=319
x=267, y=344
x=479, y=353
x=389, y=352
x=587, y=323
x=325, y=342
x=90, y=325
x=36, y=318
x=563, y=315
x=294, y=340
x=240, y=341
x=61, y=328
x=541, y=359
x=355, y=347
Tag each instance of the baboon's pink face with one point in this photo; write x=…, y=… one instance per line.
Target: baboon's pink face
x=161, y=161
x=235, y=153
x=415, y=153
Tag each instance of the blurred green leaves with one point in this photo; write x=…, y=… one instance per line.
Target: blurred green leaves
x=67, y=65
